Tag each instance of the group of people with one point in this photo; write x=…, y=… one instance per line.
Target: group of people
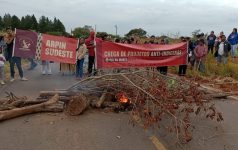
x=198, y=48
x=220, y=46
x=6, y=54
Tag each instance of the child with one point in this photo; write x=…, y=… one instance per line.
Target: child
x=2, y=61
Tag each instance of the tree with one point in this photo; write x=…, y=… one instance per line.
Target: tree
x=15, y=23
x=49, y=25
x=42, y=26
x=26, y=22
x=58, y=26
x=196, y=32
x=136, y=32
x=34, y=25
x=88, y=27
x=81, y=32
x=7, y=20
x=102, y=35
x=29, y=22
x=1, y=23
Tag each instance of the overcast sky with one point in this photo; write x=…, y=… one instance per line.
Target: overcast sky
x=155, y=16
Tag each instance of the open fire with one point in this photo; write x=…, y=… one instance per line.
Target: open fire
x=121, y=97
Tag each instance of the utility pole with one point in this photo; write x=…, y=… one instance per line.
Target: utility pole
x=116, y=29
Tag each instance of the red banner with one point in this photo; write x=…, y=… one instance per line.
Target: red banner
x=25, y=44
x=59, y=49
x=117, y=55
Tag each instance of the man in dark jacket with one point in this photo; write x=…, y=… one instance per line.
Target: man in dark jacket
x=211, y=41
x=223, y=48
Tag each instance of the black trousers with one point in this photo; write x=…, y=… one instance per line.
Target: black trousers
x=90, y=64
x=163, y=70
x=182, y=70
x=210, y=48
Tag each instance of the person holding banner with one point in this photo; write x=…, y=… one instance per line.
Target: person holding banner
x=81, y=52
x=162, y=69
x=182, y=68
x=9, y=39
x=46, y=69
x=90, y=43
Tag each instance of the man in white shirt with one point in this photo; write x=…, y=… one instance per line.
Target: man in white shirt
x=223, y=48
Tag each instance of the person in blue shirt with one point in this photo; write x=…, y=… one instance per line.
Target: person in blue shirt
x=233, y=40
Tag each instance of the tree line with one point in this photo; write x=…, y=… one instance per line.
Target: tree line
x=29, y=22
x=55, y=27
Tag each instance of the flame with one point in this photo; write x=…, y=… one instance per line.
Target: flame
x=122, y=98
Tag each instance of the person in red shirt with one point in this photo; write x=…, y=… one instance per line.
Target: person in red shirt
x=90, y=43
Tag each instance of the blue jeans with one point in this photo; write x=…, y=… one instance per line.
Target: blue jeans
x=233, y=50
x=200, y=65
x=220, y=58
x=33, y=63
x=17, y=61
x=2, y=74
x=79, y=68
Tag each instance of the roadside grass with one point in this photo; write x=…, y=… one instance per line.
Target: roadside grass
x=213, y=70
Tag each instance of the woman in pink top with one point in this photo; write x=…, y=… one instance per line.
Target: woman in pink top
x=200, y=53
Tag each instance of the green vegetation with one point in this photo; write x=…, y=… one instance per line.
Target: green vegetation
x=29, y=22
x=81, y=32
x=213, y=69
x=136, y=32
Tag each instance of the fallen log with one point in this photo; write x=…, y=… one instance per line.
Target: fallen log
x=216, y=96
x=61, y=93
x=23, y=103
x=102, y=99
x=77, y=105
x=61, y=98
x=6, y=107
x=16, y=112
x=226, y=83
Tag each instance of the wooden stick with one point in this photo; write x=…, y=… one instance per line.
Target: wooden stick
x=102, y=99
x=9, y=114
